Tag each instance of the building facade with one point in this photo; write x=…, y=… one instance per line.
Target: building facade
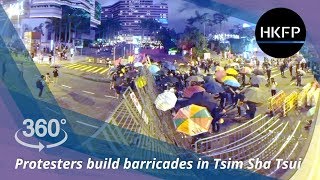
x=130, y=13
x=26, y=15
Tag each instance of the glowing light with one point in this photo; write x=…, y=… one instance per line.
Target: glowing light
x=245, y=25
x=15, y=9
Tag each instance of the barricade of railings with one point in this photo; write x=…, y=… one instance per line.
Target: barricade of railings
x=249, y=135
x=290, y=102
x=270, y=148
x=240, y=151
x=289, y=149
x=302, y=97
x=225, y=138
x=275, y=102
x=162, y=121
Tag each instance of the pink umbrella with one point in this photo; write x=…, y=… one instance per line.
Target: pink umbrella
x=189, y=91
x=220, y=75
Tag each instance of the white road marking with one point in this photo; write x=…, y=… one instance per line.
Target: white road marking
x=278, y=74
x=292, y=83
x=87, y=124
x=110, y=96
x=88, y=92
x=66, y=86
x=52, y=110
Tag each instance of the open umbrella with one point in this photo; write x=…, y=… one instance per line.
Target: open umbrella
x=229, y=78
x=258, y=72
x=204, y=99
x=138, y=64
x=192, y=120
x=154, y=69
x=232, y=83
x=166, y=101
x=195, y=79
x=232, y=71
x=258, y=79
x=189, y=91
x=169, y=79
x=213, y=87
x=169, y=66
x=255, y=95
x=220, y=75
x=208, y=77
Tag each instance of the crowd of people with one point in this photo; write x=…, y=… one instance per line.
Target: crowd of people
x=202, y=74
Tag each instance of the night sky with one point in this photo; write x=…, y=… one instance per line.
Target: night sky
x=181, y=10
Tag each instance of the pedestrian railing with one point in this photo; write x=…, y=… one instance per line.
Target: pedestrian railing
x=209, y=144
x=290, y=102
x=302, y=96
x=276, y=102
x=290, y=149
x=259, y=139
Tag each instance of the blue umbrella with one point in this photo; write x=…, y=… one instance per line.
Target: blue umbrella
x=213, y=87
x=232, y=83
x=154, y=69
x=170, y=66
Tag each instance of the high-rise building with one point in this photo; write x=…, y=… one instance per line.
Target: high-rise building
x=130, y=13
x=26, y=13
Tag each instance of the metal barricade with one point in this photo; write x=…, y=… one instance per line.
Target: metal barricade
x=223, y=139
x=275, y=102
x=302, y=97
x=290, y=102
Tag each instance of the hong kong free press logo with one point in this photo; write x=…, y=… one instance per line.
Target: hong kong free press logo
x=280, y=33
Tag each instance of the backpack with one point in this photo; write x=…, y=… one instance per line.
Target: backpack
x=39, y=83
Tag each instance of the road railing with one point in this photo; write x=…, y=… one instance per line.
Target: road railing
x=290, y=102
x=275, y=103
x=208, y=144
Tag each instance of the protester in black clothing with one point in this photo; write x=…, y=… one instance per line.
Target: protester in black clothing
x=40, y=85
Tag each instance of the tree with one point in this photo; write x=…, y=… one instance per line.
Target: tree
x=193, y=38
x=168, y=38
x=74, y=20
x=151, y=26
x=109, y=28
x=53, y=28
x=219, y=19
x=201, y=19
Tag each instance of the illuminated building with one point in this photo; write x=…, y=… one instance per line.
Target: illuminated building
x=130, y=13
x=25, y=13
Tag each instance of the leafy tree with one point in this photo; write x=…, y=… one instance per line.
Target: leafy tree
x=219, y=19
x=109, y=28
x=201, y=19
x=193, y=38
x=168, y=38
x=151, y=26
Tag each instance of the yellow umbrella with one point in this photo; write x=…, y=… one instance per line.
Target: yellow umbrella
x=232, y=71
x=192, y=120
x=229, y=78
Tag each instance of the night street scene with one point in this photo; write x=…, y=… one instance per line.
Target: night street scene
x=175, y=71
